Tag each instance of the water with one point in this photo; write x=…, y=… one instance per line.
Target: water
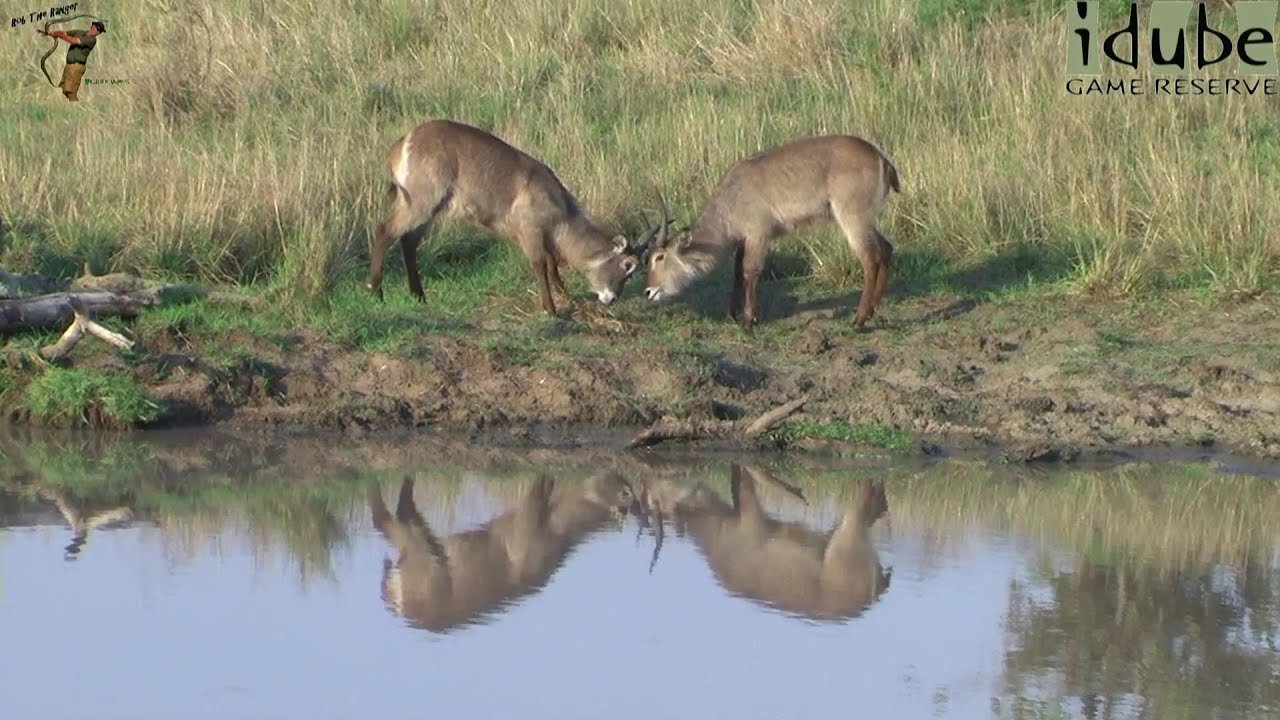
x=208, y=575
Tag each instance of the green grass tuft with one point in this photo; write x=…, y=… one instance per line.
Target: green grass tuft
x=69, y=394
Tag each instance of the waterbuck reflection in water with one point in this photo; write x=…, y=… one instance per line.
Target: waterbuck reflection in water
x=444, y=584
x=786, y=566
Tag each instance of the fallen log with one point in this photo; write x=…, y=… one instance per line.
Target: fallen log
x=14, y=285
x=54, y=311
x=668, y=429
x=80, y=325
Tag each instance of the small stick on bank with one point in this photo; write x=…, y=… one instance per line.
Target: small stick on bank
x=81, y=324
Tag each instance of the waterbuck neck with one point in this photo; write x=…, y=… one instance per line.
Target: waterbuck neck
x=576, y=516
x=581, y=241
x=709, y=242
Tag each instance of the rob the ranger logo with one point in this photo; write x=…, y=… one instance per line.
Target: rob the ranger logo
x=1165, y=42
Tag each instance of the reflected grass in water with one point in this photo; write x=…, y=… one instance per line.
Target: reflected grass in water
x=1170, y=517
x=310, y=519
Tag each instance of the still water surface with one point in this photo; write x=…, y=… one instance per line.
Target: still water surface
x=177, y=576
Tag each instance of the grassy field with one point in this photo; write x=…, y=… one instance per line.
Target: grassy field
x=247, y=145
x=247, y=149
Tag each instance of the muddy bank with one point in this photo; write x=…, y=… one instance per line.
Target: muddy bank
x=1085, y=381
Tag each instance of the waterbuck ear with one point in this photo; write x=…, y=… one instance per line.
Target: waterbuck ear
x=620, y=244
x=686, y=239
x=629, y=265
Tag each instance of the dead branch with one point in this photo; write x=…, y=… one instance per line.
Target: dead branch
x=766, y=421
x=81, y=324
x=669, y=429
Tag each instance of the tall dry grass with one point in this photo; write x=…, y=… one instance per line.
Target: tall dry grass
x=248, y=144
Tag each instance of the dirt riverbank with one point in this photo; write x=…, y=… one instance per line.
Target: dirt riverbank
x=1041, y=381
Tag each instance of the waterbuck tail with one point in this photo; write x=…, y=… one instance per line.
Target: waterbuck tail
x=890, y=175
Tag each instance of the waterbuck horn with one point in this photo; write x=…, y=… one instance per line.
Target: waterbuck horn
x=664, y=231
x=646, y=240
x=657, y=235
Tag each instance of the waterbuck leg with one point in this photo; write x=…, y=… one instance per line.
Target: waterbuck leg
x=382, y=240
x=752, y=266
x=864, y=241
x=735, y=300
x=539, y=265
x=870, y=271
x=402, y=224
x=409, y=245
x=742, y=490
x=882, y=275
x=553, y=270
x=411, y=520
x=378, y=510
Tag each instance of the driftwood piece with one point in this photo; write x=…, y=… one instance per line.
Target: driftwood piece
x=668, y=429
x=80, y=325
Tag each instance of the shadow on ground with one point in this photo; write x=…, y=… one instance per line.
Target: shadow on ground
x=785, y=290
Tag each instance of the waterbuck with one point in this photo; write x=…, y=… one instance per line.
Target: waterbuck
x=445, y=584
x=443, y=166
x=783, y=565
x=774, y=193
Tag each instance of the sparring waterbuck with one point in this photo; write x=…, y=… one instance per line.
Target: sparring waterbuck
x=444, y=584
x=447, y=167
x=774, y=193
x=783, y=565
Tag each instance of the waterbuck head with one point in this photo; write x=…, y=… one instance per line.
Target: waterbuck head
x=608, y=275
x=611, y=491
x=669, y=272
